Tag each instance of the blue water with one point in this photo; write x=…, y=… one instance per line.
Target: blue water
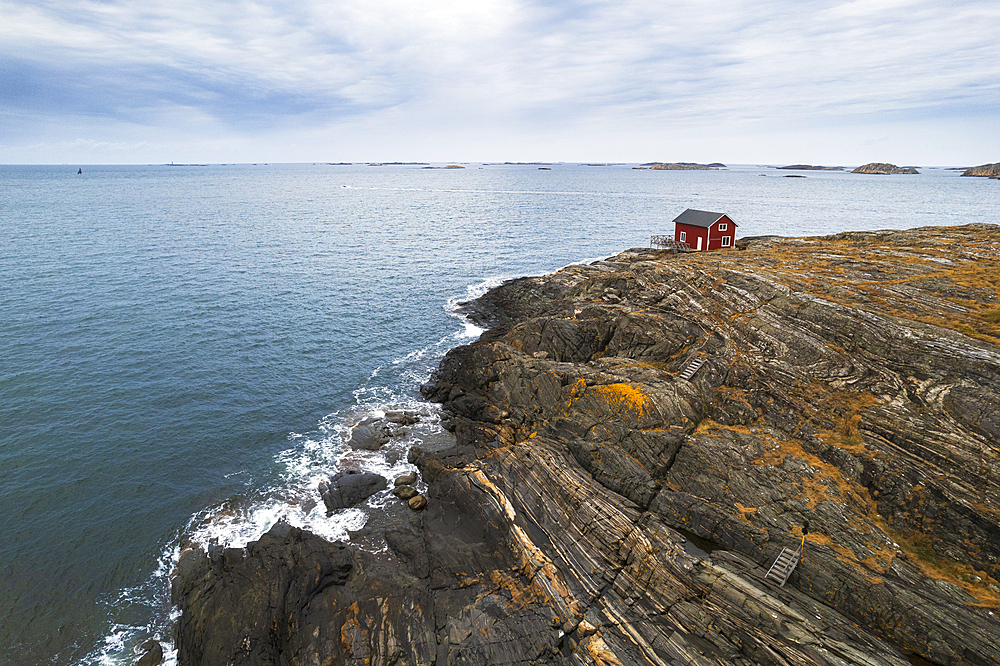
x=181, y=348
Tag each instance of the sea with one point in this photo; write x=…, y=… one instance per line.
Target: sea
x=185, y=348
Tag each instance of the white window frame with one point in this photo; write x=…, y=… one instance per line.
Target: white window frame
x=723, y=226
x=684, y=236
x=726, y=240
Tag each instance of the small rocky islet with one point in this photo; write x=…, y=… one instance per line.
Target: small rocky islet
x=984, y=171
x=884, y=169
x=635, y=442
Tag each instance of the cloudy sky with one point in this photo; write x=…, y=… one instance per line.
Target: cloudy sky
x=137, y=81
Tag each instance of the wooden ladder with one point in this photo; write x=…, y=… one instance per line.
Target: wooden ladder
x=783, y=566
x=693, y=367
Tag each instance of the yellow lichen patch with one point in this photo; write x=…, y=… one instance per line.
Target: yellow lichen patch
x=520, y=594
x=828, y=484
x=706, y=426
x=845, y=554
x=922, y=555
x=622, y=398
x=745, y=510
x=599, y=651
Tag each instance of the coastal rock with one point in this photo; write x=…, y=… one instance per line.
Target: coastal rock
x=152, y=653
x=405, y=479
x=986, y=170
x=258, y=598
x=816, y=407
x=370, y=434
x=597, y=508
x=345, y=489
x=404, y=492
x=883, y=168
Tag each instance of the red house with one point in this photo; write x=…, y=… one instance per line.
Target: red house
x=703, y=230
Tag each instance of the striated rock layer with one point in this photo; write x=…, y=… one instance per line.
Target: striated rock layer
x=600, y=508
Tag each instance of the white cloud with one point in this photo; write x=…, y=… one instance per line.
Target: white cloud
x=507, y=67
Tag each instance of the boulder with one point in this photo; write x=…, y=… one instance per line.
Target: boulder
x=404, y=492
x=369, y=435
x=152, y=653
x=345, y=489
x=406, y=479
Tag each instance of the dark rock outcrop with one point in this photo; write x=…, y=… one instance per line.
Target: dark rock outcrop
x=598, y=508
x=152, y=653
x=985, y=170
x=345, y=489
x=370, y=434
x=883, y=168
x=810, y=167
x=683, y=166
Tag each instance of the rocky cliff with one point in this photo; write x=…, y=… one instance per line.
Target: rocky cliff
x=605, y=505
x=883, y=168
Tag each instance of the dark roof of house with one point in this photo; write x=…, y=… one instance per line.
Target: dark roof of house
x=699, y=218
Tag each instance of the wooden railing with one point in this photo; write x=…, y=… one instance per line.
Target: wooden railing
x=668, y=243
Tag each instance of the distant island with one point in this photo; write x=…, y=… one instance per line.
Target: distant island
x=450, y=166
x=883, y=168
x=683, y=166
x=810, y=167
x=985, y=171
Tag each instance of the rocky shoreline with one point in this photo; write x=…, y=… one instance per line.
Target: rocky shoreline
x=603, y=504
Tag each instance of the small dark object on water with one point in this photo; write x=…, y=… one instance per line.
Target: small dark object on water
x=79, y=171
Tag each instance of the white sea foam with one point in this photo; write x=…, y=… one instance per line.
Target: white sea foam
x=294, y=497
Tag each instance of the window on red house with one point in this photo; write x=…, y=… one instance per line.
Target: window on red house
x=726, y=240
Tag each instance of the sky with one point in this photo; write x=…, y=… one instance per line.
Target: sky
x=911, y=82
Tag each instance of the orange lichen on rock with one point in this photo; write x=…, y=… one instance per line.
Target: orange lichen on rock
x=622, y=398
